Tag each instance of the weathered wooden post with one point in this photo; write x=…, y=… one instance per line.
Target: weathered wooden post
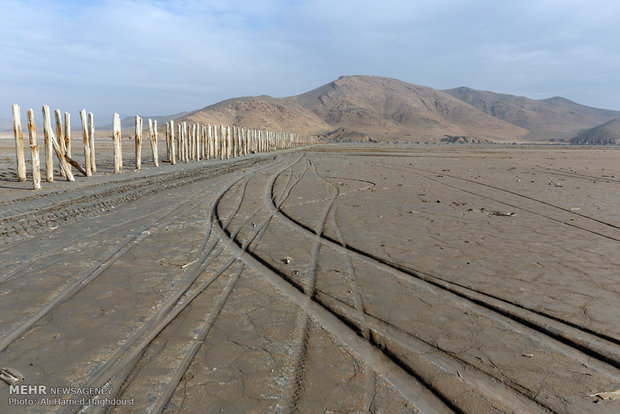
x=194, y=133
x=202, y=142
x=205, y=142
x=182, y=143
x=216, y=141
x=173, y=159
x=49, y=160
x=91, y=140
x=61, y=140
x=167, y=141
x=34, y=149
x=153, y=134
x=68, y=134
x=116, y=140
x=209, y=149
x=228, y=142
x=138, y=142
x=179, y=141
x=233, y=141
x=222, y=139
x=87, y=159
x=19, y=144
x=186, y=139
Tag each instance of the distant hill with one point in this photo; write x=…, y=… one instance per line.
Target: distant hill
x=553, y=118
x=605, y=134
x=389, y=109
x=373, y=108
x=260, y=112
x=449, y=139
x=345, y=135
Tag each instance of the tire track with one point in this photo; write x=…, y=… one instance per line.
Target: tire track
x=593, y=344
x=424, y=369
x=410, y=388
x=83, y=281
x=23, y=225
x=580, y=343
x=123, y=364
x=125, y=369
x=505, y=306
x=611, y=225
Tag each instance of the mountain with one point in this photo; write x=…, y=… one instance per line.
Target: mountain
x=605, y=134
x=372, y=108
x=554, y=118
x=389, y=109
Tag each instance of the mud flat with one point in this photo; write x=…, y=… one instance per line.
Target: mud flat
x=350, y=278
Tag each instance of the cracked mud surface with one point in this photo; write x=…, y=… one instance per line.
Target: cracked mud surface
x=336, y=279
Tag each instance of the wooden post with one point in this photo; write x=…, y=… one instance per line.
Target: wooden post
x=209, y=149
x=205, y=142
x=68, y=134
x=61, y=140
x=202, y=142
x=186, y=145
x=173, y=159
x=218, y=141
x=89, y=171
x=156, y=154
x=34, y=148
x=47, y=130
x=19, y=144
x=138, y=142
x=179, y=143
x=91, y=140
x=116, y=140
x=153, y=134
x=194, y=150
x=167, y=141
x=233, y=145
x=228, y=142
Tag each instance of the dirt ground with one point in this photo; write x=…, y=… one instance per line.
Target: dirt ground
x=334, y=278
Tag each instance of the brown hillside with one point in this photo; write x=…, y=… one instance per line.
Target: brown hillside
x=554, y=118
x=606, y=134
x=260, y=112
x=391, y=109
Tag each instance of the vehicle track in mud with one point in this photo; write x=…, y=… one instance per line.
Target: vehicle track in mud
x=579, y=340
x=33, y=214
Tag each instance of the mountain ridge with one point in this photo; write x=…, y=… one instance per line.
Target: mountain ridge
x=364, y=107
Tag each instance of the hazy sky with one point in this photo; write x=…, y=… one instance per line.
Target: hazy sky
x=163, y=57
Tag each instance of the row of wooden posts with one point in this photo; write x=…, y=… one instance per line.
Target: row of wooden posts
x=184, y=142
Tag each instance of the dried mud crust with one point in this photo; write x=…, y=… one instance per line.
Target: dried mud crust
x=21, y=218
x=492, y=343
x=312, y=284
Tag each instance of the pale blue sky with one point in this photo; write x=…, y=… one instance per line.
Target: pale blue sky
x=163, y=57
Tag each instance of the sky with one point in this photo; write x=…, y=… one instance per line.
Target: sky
x=164, y=57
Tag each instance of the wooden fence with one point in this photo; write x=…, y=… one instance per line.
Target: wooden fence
x=184, y=143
